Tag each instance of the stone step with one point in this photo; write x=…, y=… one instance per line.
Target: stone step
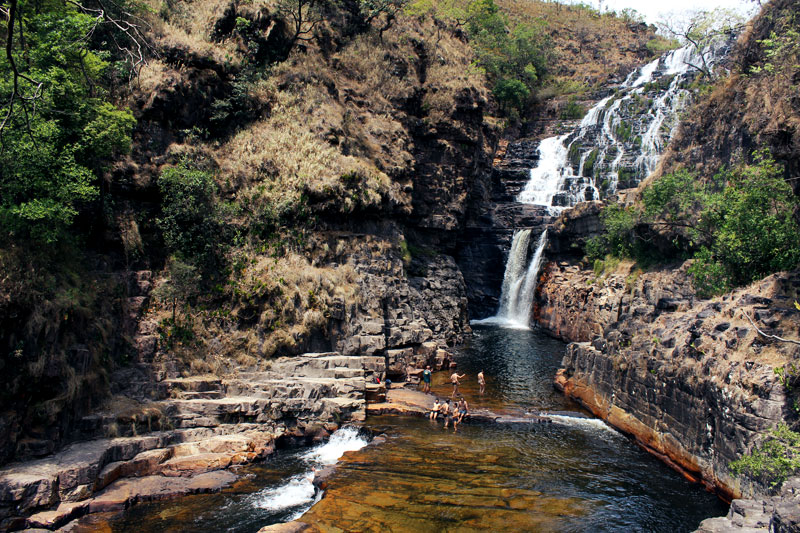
x=375, y=393
x=194, y=384
x=346, y=372
x=205, y=395
x=294, y=387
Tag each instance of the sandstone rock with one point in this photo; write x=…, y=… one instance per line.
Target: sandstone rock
x=189, y=465
x=288, y=527
x=150, y=488
x=667, y=368
x=61, y=515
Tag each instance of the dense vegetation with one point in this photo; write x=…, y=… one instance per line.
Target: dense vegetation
x=59, y=129
x=738, y=226
x=775, y=459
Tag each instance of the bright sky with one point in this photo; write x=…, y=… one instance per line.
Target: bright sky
x=653, y=10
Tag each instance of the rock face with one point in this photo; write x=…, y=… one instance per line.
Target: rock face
x=692, y=380
x=218, y=423
x=493, y=217
x=779, y=514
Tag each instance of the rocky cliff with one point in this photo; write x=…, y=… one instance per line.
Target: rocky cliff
x=692, y=380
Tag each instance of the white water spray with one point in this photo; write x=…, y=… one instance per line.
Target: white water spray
x=616, y=143
x=298, y=492
x=519, y=282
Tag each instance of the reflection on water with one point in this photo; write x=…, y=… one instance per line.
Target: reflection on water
x=519, y=366
x=575, y=474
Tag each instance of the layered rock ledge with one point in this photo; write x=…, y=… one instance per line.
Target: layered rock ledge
x=692, y=380
x=778, y=514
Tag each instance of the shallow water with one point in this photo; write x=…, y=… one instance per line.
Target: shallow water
x=575, y=474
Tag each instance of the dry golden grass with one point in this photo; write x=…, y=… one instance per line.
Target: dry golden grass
x=589, y=46
x=279, y=159
x=287, y=299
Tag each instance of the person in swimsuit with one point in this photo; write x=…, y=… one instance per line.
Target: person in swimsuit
x=463, y=409
x=426, y=379
x=448, y=413
x=435, y=409
x=454, y=380
x=481, y=382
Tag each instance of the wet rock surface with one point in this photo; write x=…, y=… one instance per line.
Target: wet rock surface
x=493, y=217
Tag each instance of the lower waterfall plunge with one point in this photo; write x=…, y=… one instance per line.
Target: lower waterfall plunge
x=519, y=282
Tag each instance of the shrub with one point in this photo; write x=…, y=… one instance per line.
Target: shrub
x=572, y=110
x=774, y=460
x=739, y=225
x=189, y=221
x=511, y=94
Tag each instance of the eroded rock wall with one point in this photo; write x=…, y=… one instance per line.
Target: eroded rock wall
x=692, y=380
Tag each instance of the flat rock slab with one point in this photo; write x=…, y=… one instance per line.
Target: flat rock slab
x=522, y=420
x=416, y=403
x=391, y=408
x=126, y=492
x=288, y=527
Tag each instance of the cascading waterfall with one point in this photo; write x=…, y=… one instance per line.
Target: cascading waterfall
x=519, y=282
x=615, y=145
x=618, y=142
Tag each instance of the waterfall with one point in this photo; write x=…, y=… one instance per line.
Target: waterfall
x=519, y=282
x=619, y=140
x=615, y=145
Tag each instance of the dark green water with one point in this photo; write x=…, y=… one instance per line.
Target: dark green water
x=572, y=475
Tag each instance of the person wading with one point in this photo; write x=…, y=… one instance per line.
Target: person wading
x=447, y=410
x=454, y=380
x=481, y=382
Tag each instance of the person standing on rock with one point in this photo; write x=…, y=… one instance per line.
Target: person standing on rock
x=481, y=382
x=426, y=379
x=454, y=380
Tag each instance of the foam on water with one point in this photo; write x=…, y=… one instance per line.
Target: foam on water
x=298, y=492
x=343, y=440
x=592, y=424
x=499, y=321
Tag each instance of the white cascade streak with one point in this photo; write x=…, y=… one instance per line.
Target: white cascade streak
x=298, y=493
x=519, y=282
x=616, y=144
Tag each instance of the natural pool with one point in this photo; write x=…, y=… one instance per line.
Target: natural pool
x=575, y=474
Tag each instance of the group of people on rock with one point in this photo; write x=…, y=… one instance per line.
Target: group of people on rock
x=456, y=410
x=450, y=411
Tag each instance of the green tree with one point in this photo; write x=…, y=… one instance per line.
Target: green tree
x=751, y=226
x=739, y=225
x=189, y=221
x=181, y=285
x=511, y=94
x=58, y=129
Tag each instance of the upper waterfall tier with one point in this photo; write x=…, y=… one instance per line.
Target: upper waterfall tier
x=619, y=141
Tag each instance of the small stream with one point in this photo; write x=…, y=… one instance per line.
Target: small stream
x=575, y=474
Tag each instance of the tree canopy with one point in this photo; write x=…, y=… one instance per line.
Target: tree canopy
x=58, y=128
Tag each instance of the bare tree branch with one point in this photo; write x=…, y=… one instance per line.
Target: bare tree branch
x=768, y=335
